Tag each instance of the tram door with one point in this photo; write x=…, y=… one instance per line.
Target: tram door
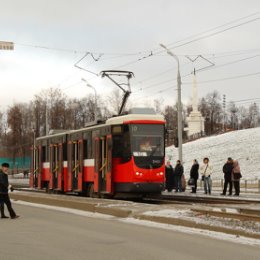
x=34, y=167
x=80, y=164
x=54, y=166
x=60, y=167
x=109, y=184
x=39, y=164
x=102, y=173
x=75, y=164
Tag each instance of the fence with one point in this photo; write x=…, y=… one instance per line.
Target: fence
x=252, y=185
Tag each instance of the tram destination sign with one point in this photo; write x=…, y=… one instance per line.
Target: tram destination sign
x=8, y=46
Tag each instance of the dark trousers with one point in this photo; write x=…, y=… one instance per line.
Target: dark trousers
x=178, y=183
x=4, y=198
x=194, y=188
x=237, y=187
x=226, y=183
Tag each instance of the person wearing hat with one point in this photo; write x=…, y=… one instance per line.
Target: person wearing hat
x=227, y=170
x=4, y=197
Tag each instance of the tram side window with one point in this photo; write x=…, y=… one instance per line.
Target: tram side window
x=117, y=146
x=43, y=153
x=65, y=152
x=121, y=145
x=89, y=149
x=85, y=149
x=126, y=145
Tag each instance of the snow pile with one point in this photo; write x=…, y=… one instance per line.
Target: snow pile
x=243, y=145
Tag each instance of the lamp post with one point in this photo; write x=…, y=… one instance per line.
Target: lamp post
x=95, y=108
x=179, y=101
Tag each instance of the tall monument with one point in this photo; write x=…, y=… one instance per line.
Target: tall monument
x=195, y=120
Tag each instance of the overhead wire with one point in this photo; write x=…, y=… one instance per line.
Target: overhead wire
x=211, y=68
x=153, y=52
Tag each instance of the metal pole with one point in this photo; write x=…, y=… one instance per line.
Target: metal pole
x=179, y=101
x=179, y=114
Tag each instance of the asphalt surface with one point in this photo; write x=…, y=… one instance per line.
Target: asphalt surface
x=48, y=234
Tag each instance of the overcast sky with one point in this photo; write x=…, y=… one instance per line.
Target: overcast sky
x=51, y=35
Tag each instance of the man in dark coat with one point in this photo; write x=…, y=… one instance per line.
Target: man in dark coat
x=194, y=174
x=169, y=177
x=4, y=197
x=227, y=170
x=178, y=172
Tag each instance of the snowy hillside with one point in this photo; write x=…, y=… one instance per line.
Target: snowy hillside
x=243, y=145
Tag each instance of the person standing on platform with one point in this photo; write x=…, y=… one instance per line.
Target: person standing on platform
x=169, y=176
x=194, y=174
x=236, y=176
x=4, y=197
x=206, y=172
x=178, y=172
x=227, y=170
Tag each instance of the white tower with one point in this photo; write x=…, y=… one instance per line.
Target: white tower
x=195, y=120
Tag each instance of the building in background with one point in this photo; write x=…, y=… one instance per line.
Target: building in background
x=195, y=120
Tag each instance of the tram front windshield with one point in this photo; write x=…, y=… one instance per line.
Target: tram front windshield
x=147, y=140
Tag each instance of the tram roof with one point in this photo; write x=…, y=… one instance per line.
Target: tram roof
x=134, y=118
x=111, y=121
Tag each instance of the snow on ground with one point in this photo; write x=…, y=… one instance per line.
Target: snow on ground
x=187, y=214
x=243, y=145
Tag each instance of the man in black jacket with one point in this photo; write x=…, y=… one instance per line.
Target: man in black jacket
x=178, y=172
x=4, y=197
x=227, y=170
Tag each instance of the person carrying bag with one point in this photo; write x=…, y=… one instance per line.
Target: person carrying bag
x=206, y=172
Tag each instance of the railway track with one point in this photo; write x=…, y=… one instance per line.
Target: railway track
x=204, y=199
x=176, y=198
x=223, y=213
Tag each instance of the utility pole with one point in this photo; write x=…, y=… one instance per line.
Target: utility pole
x=180, y=127
x=224, y=111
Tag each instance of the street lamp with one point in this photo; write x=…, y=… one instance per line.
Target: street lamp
x=179, y=101
x=95, y=108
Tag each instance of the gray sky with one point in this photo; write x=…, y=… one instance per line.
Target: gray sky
x=125, y=32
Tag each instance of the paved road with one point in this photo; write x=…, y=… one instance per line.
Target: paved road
x=47, y=234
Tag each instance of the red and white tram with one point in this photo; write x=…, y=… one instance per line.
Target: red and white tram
x=125, y=155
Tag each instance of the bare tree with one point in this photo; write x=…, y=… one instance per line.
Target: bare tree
x=210, y=108
x=170, y=115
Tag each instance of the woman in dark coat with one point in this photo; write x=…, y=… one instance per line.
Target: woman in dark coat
x=194, y=174
x=169, y=177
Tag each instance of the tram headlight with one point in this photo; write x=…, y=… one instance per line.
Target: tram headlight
x=161, y=173
x=138, y=174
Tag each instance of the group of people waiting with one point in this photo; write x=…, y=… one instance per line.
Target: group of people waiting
x=232, y=176
x=175, y=176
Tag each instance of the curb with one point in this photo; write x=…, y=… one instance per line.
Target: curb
x=86, y=206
